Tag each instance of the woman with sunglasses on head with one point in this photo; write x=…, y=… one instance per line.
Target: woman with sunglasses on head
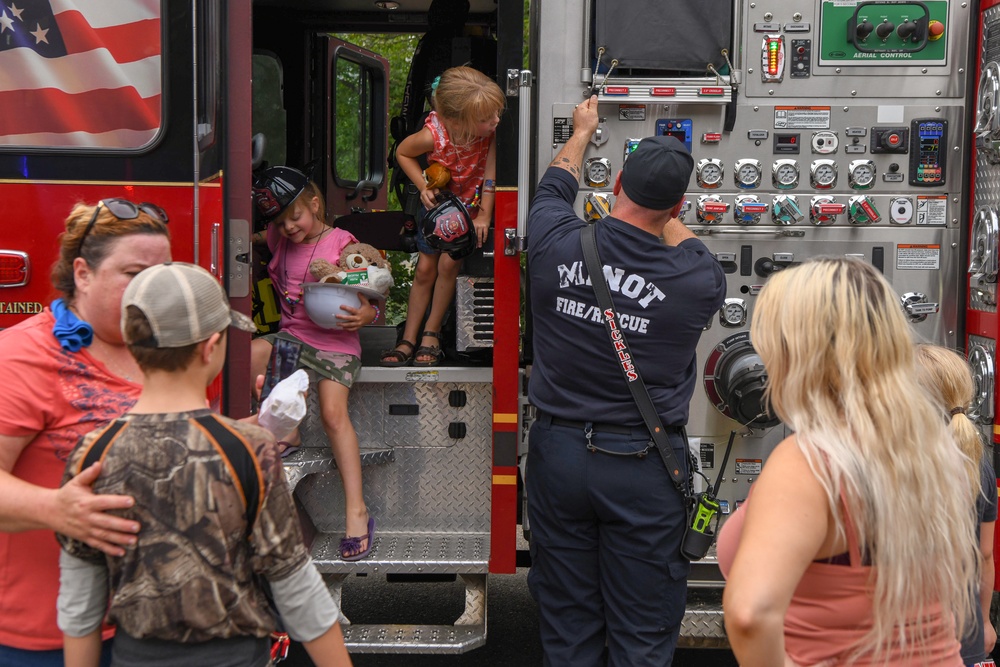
x=66, y=372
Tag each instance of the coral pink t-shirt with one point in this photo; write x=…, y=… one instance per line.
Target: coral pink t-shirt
x=289, y=268
x=831, y=610
x=60, y=396
x=467, y=164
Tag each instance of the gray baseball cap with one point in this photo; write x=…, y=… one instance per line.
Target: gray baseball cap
x=184, y=303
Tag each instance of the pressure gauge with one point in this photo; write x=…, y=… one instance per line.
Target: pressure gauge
x=708, y=173
x=733, y=313
x=597, y=172
x=748, y=173
x=861, y=174
x=823, y=174
x=785, y=174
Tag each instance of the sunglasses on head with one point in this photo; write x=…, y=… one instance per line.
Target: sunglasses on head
x=123, y=209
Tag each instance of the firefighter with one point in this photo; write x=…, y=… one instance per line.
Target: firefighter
x=606, y=519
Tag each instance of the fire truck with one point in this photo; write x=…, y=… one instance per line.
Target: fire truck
x=868, y=128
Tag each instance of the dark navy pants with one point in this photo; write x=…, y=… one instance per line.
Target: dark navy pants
x=606, y=569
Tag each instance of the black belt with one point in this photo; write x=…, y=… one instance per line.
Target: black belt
x=599, y=427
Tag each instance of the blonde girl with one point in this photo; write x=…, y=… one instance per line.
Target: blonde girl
x=946, y=374
x=297, y=233
x=460, y=135
x=850, y=548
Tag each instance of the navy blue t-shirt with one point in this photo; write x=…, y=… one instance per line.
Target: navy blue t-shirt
x=663, y=297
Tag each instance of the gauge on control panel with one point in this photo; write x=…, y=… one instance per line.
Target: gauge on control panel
x=823, y=174
x=861, y=174
x=597, y=172
x=785, y=174
x=748, y=172
x=708, y=173
x=733, y=313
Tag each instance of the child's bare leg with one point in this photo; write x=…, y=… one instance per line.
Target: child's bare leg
x=260, y=354
x=420, y=297
x=444, y=292
x=344, y=443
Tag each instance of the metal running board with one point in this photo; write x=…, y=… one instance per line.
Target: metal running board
x=702, y=625
x=409, y=553
x=467, y=633
x=311, y=460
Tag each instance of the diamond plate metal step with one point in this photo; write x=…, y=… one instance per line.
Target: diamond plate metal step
x=311, y=460
x=702, y=626
x=408, y=553
x=413, y=638
x=468, y=631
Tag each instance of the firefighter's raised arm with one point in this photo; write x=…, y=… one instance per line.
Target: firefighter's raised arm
x=585, y=121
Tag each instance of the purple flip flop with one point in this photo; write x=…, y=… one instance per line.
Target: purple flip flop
x=350, y=544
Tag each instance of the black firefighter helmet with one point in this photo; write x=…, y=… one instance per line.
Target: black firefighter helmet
x=448, y=227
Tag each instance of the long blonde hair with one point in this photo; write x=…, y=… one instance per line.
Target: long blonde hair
x=840, y=362
x=464, y=96
x=946, y=374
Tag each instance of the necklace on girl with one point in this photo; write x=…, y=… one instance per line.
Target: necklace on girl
x=294, y=300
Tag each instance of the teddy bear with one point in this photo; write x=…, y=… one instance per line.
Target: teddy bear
x=436, y=175
x=356, y=257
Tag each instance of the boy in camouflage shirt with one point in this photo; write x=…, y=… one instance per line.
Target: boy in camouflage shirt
x=210, y=494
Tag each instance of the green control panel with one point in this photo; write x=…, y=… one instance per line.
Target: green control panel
x=883, y=32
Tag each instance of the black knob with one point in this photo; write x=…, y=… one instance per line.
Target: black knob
x=894, y=167
x=906, y=29
x=864, y=29
x=884, y=29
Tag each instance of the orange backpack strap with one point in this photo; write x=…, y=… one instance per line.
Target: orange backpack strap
x=246, y=470
x=100, y=444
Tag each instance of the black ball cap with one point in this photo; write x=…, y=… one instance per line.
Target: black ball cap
x=275, y=189
x=657, y=172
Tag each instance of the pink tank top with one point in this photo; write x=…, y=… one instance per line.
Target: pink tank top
x=831, y=610
x=467, y=164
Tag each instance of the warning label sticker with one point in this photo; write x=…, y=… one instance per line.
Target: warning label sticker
x=913, y=256
x=748, y=466
x=631, y=112
x=802, y=118
x=932, y=210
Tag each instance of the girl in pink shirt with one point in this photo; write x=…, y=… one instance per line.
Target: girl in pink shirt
x=297, y=234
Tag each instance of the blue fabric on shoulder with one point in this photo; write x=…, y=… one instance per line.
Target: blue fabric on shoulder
x=71, y=332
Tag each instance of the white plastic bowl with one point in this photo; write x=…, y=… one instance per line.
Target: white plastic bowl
x=323, y=301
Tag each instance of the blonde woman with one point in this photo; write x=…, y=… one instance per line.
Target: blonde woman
x=851, y=548
x=947, y=376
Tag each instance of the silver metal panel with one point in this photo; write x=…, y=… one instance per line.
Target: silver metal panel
x=435, y=483
x=985, y=193
x=473, y=313
x=411, y=374
x=901, y=82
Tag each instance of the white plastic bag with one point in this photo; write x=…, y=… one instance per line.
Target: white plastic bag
x=283, y=409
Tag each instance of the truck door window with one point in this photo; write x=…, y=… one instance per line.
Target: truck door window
x=359, y=112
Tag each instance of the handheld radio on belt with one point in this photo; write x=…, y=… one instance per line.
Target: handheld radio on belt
x=706, y=502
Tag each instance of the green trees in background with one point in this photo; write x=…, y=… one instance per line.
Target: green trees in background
x=398, y=50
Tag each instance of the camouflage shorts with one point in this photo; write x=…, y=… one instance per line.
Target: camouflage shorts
x=337, y=366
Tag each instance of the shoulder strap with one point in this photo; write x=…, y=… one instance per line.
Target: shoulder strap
x=640, y=395
x=101, y=444
x=243, y=464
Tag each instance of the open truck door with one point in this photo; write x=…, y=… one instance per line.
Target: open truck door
x=354, y=111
